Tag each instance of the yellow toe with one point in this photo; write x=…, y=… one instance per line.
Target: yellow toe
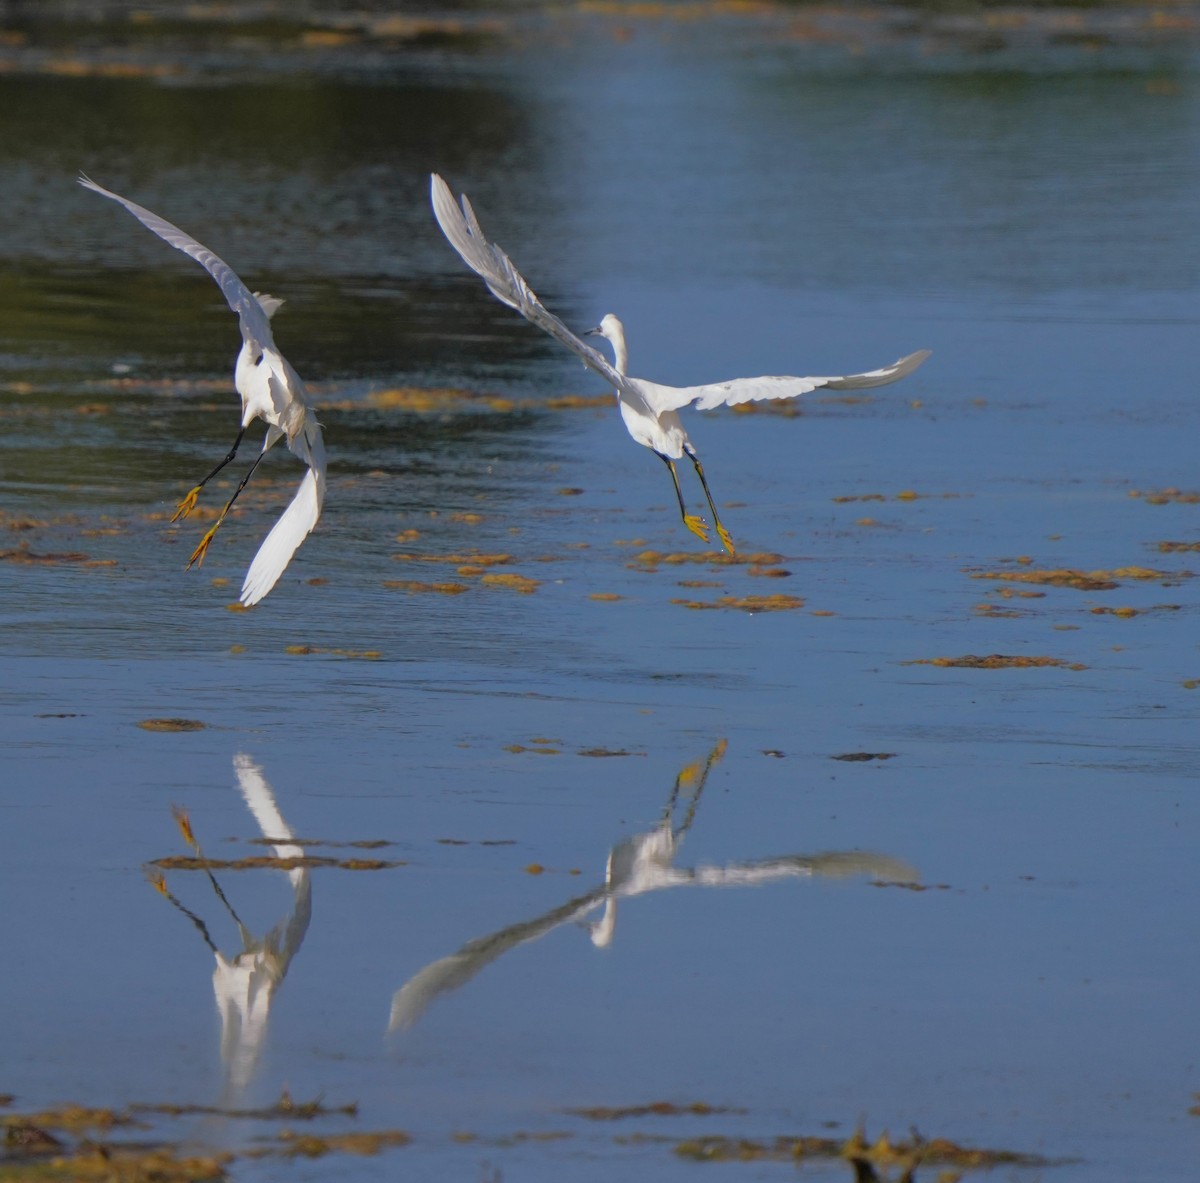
x=197, y=559
x=186, y=505
x=696, y=525
x=726, y=539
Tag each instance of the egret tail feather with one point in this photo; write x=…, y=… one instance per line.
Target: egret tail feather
x=293, y=528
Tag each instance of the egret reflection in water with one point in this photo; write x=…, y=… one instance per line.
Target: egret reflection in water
x=245, y=982
x=637, y=865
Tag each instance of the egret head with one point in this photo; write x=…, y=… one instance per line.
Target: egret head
x=610, y=327
x=614, y=331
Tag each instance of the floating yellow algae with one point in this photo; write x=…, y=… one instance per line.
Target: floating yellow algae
x=518, y=583
x=996, y=612
x=1165, y=496
x=578, y=402
x=24, y=1139
x=285, y=1107
x=699, y=583
x=540, y=751
x=569, y=491
x=1063, y=577
x=187, y=862
x=316, y=1146
x=996, y=661
x=783, y=409
x=605, y=597
x=769, y=572
x=1124, y=613
x=329, y=38
x=1147, y=573
x=654, y=558
x=417, y=586
x=73, y=1118
x=356, y=654
x=237, y=606
x=855, y=757
x=409, y=535
x=866, y=1156
x=1009, y=593
x=458, y=560
x=902, y=495
x=535, y=869
x=23, y=554
x=410, y=398
x=601, y=753
x=172, y=725
x=654, y=1109
x=1173, y=547
x=471, y=519
x=775, y=603
x=129, y=1164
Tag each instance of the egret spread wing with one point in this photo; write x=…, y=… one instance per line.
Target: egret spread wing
x=412, y=999
x=255, y=319
x=744, y=390
x=461, y=227
x=297, y=521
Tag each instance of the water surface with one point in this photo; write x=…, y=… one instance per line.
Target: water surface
x=751, y=198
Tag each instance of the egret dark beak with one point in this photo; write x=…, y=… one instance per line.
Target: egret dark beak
x=596, y=332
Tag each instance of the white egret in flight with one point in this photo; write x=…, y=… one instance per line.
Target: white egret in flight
x=271, y=391
x=650, y=410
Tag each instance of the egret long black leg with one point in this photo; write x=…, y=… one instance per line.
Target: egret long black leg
x=197, y=558
x=189, y=836
x=189, y=502
x=159, y=882
x=722, y=533
x=690, y=520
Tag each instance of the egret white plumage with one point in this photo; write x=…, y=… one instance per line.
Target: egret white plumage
x=649, y=410
x=270, y=390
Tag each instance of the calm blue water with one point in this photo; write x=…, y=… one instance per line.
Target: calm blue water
x=750, y=198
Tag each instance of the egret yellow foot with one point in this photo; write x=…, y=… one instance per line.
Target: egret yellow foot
x=197, y=559
x=697, y=525
x=726, y=538
x=187, y=504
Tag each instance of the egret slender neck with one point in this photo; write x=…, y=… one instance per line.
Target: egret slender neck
x=615, y=332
